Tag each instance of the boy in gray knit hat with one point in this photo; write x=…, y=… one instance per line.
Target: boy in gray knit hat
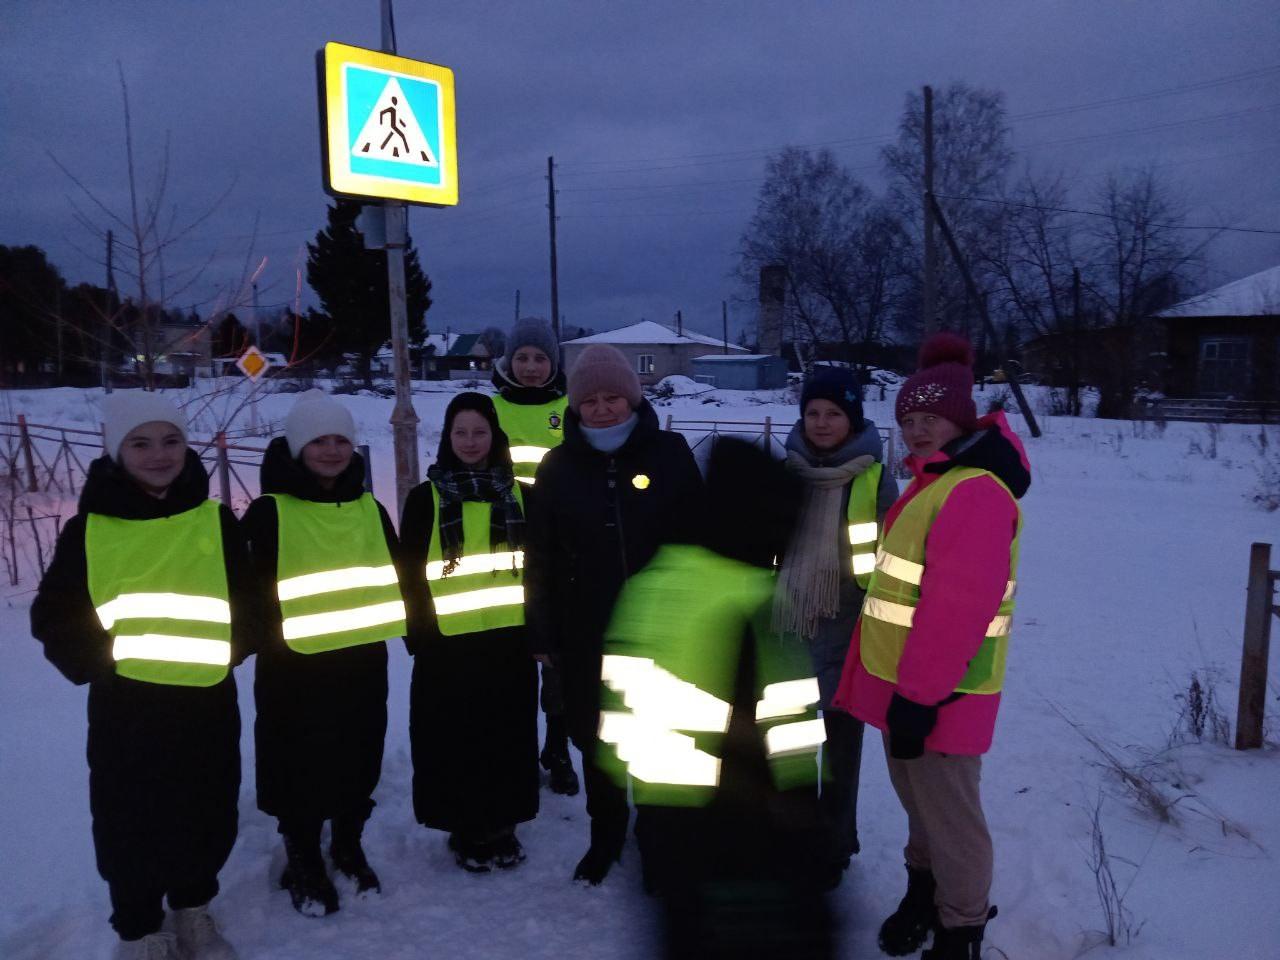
x=531, y=403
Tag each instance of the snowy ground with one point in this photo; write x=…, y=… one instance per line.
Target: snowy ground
x=1132, y=577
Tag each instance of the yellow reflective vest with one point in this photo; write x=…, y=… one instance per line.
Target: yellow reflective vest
x=485, y=590
x=864, y=530
x=160, y=590
x=532, y=430
x=335, y=579
x=889, y=609
x=670, y=662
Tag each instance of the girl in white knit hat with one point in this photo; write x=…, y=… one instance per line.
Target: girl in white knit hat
x=148, y=601
x=324, y=555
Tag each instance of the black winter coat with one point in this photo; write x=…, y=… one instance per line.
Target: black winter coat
x=164, y=760
x=600, y=517
x=473, y=706
x=322, y=717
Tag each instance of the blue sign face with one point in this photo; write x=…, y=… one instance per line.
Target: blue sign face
x=393, y=125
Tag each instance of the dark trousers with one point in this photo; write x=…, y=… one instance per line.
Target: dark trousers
x=842, y=765
x=137, y=912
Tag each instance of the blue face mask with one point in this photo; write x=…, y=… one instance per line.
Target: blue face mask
x=610, y=439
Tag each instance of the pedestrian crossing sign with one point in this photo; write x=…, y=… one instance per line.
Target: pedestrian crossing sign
x=388, y=126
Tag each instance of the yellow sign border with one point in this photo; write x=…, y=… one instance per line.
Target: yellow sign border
x=338, y=176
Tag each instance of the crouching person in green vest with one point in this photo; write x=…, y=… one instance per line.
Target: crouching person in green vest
x=844, y=494
x=531, y=401
x=927, y=661
x=149, y=600
x=714, y=718
x=473, y=701
x=323, y=553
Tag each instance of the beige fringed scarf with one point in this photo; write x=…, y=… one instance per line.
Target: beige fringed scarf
x=809, y=581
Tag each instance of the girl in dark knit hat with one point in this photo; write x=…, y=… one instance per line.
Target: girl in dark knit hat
x=474, y=694
x=927, y=661
x=845, y=490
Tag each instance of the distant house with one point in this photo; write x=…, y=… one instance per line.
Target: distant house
x=1226, y=343
x=185, y=347
x=748, y=371
x=453, y=356
x=653, y=350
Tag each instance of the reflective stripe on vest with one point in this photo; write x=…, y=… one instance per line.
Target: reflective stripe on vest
x=159, y=588
x=889, y=610
x=325, y=606
x=485, y=590
x=532, y=429
x=864, y=532
x=664, y=716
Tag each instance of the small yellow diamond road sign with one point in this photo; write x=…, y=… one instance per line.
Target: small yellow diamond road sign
x=389, y=130
x=253, y=364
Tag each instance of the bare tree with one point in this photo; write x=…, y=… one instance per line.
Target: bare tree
x=1141, y=261
x=842, y=250
x=144, y=232
x=972, y=157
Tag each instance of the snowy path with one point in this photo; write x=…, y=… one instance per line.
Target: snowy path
x=1132, y=576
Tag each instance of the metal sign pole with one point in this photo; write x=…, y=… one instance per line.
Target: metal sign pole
x=404, y=419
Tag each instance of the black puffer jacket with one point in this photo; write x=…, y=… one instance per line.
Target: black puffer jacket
x=600, y=518
x=164, y=760
x=322, y=717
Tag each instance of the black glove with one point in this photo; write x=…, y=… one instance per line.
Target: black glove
x=909, y=723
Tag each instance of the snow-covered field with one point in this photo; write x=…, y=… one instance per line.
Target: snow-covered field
x=1132, y=577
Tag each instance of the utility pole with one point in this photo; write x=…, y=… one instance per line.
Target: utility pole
x=929, y=293
x=555, y=283
x=679, y=324
x=404, y=419
x=112, y=298
x=517, y=305
x=724, y=323
x=980, y=302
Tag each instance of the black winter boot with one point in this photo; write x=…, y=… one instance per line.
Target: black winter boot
x=907, y=928
x=309, y=886
x=556, y=761
x=348, y=855
x=958, y=943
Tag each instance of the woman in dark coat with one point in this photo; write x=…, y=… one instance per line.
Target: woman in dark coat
x=322, y=710
x=473, y=713
x=614, y=491
x=164, y=735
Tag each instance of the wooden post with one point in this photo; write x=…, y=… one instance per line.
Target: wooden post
x=668, y=426
x=1259, y=608
x=224, y=469
x=32, y=485
x=35, y=532
x=768, y=435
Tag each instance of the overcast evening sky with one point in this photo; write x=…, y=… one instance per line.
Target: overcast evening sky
x=660, y=116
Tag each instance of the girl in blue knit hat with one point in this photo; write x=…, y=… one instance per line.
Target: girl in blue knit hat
x=846, y=490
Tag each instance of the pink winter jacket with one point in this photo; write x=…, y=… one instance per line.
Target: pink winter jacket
x=966, y=569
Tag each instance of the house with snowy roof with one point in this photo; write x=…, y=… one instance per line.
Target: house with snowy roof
x=1225, y=343
x=655, y=351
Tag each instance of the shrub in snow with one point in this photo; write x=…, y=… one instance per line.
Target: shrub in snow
x=1266, y=492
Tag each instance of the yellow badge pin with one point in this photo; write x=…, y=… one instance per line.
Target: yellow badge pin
x=640, y=481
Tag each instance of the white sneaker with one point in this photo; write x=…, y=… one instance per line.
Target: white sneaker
x=198, y=936
x=155, y=946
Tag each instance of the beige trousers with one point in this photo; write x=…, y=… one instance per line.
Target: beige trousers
x=947, y=832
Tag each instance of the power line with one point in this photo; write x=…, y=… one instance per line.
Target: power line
x=1105, y=216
